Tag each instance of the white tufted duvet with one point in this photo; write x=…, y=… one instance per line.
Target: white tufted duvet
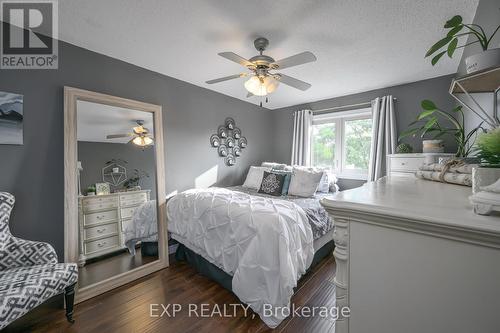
x=265, y=244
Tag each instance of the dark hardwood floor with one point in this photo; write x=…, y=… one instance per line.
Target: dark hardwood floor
x=127, y=309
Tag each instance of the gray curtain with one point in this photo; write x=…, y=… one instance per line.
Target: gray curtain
x=302, y=122
x=384, y=136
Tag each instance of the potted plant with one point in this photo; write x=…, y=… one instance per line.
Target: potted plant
x=91, y=190
x=133, y=182
x=404, y=148
x=449, y=44
x=488, y=151
x=429, y=121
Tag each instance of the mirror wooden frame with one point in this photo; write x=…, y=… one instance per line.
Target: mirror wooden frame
x=71, y=248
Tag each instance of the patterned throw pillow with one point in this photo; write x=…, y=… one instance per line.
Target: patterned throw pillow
x=272, y=183
x=286, y=183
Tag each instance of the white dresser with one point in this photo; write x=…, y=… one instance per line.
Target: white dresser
x=413, y=257
x=408, y=164
x=102, y=220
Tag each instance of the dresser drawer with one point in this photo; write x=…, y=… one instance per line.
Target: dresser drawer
x=101, y=230
x=101, y=244
x=97, y=218
x=405, y=164
x=127, y=213
x=132, y=199
x=100, y=206
x=90, y=201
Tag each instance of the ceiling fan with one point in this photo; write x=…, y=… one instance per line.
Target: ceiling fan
x=140, y=135
x=263, y=80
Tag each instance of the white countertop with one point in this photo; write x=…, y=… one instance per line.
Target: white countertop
x=415, y=199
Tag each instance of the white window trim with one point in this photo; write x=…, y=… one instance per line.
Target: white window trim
x=340, y=118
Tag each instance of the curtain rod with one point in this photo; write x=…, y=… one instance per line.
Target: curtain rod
x=351, y=106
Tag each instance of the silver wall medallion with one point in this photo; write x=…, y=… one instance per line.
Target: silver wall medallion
x=228, y=141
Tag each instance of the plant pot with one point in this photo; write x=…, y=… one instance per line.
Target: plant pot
x=483, y=60
x=484, y=176
x=89, y=194
x=432, y=146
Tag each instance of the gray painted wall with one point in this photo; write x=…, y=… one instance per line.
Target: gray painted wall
x=34, y=172
x=94, y=156
x=408, y=101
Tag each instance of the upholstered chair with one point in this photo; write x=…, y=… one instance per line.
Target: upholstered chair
x=29, y=272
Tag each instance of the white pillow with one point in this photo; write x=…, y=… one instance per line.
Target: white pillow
x=304, y=182
x=324, y=184
x=254, y=177
x=274, y=165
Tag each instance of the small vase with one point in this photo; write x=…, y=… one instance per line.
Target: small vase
x=486, y=59
x=484, y=176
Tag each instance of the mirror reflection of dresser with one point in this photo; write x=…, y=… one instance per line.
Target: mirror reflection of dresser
x=102, y=220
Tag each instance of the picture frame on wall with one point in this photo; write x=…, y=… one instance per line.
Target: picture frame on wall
x=11, y=118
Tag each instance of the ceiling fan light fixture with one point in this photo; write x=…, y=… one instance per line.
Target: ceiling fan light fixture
x=261, y=86
x=143, y=141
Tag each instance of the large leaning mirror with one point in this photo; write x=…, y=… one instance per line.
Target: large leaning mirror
x=115, y=190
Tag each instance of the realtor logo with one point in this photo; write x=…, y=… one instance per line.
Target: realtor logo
x=29, y=34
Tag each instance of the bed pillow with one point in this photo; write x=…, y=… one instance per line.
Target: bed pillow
x=274, y=165
x=288, y=177
x=254, y=177
x=304, y=182
x=324, y=184
x=272, y=183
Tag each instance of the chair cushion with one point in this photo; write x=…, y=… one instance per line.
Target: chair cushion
x=22, y=289
x=6, y=204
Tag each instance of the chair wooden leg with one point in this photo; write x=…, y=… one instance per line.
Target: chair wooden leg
x=69, y=297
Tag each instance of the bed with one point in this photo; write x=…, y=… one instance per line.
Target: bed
x=143, y=228
x=256, y=245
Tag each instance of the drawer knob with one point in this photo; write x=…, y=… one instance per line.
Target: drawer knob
x=101, y=230
x=101, y=244
x=403, y=163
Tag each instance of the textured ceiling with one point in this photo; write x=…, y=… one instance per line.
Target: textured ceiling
x=360, y=45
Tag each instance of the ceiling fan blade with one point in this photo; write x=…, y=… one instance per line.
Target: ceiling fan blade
x=249, y=95
x=226, y=78
x=293, y=82
x=295, y=60
x=118, y=136
x=236, y=58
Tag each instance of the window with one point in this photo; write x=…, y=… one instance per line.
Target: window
x=341, y=142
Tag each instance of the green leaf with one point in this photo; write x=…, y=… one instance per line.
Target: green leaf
x=428, y=105
x=455, y=30
x=409, y=132
x=437, y=57
x=424, y=114
x=438, y=45
x=453, y=22
x=430, y=124
x=452, y=47
x=437, y=136
x=457, y=109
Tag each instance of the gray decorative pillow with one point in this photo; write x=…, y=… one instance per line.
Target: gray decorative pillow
x=304, y=182
x=272, y=184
